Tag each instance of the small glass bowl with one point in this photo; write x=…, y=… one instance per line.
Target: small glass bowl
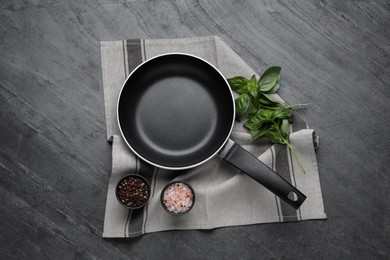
x=175, y=187
x=138, y=191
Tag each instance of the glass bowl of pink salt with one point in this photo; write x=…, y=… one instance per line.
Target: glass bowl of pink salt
x=177, y=198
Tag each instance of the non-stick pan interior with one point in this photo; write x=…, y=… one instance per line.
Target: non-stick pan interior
x=175, y=111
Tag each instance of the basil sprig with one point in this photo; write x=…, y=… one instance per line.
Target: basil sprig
x=267, y=116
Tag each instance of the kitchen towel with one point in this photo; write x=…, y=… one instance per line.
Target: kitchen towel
x=224, y=195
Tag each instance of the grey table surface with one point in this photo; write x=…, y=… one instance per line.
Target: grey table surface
x=55, y=161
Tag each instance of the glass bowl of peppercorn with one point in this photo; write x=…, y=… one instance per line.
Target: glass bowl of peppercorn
x=133, y=191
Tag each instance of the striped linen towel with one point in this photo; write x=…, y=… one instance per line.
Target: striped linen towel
x=224, y=196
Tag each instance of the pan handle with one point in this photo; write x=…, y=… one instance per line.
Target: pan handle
x=249, y=164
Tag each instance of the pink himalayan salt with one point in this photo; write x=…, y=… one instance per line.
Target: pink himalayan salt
x=178, y=198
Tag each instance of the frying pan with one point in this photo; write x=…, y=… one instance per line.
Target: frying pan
x=176, y=111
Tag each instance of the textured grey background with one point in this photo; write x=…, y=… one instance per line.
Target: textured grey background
x=55, y=162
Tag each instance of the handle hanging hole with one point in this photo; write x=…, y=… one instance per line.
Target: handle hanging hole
x=292, y=196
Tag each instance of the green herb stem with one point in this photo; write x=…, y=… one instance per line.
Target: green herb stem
x=294, y=154
x=297, y=105
x=283, y=106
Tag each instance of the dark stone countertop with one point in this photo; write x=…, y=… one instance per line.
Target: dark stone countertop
x=55, y=161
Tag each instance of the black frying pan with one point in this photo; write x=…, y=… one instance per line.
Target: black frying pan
x=176, y=111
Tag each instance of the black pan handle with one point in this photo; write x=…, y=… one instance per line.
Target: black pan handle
x=246, y=162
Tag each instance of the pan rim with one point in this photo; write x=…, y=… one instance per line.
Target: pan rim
x=174, y=167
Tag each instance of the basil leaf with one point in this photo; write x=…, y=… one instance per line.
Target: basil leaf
x=263, y=118
x=269, y=78
x=238, y=84
x=271, y=98
x=242, y=104
x=253, y=79
x=256, y=134
x=253, y=123
x=265, y=100
x=267, y=113
x=275, y=135
x=253, y=93
x=275, y=88
x=252, y=87
x=253, y=111
x=282, y=113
